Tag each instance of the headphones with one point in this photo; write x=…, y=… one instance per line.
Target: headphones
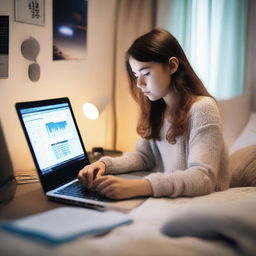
x=30, y=49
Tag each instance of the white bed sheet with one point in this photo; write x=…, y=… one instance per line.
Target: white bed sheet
x=143, y=237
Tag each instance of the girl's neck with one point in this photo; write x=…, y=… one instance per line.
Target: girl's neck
x=169, y=100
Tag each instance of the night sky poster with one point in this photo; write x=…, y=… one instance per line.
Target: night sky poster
x=69, y=29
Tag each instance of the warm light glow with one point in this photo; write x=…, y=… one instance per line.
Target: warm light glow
x=90, y=111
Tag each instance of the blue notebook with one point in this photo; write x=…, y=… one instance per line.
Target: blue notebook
x=66, y=223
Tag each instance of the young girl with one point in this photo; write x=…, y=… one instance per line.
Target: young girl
x=181, y=137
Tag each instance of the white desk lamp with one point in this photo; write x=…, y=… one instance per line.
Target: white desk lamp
x=92, y=110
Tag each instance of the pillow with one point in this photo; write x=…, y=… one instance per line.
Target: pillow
x=233, y=224
x=247, y=136
x=243, y=167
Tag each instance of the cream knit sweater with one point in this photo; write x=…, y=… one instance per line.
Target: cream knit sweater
x=196, y=165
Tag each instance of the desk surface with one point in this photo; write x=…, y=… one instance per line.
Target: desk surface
x=29, y=199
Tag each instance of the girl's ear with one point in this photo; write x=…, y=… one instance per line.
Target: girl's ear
x=173, y=65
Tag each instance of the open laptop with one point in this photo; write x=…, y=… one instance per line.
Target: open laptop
x=59, y=154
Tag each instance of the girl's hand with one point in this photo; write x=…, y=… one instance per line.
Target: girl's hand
x=88, y=174
x=118, y=188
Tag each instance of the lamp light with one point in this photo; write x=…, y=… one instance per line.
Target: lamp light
x=93, y=109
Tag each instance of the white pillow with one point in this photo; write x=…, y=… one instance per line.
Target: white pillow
x=248, y=135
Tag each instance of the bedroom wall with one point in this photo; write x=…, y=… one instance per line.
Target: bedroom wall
x=80, y=80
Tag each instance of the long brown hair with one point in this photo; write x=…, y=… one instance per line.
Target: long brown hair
x=159, y=46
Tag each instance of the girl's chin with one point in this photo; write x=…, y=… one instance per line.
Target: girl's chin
x=151, y=98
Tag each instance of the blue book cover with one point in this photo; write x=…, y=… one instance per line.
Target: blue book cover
x=66, y=224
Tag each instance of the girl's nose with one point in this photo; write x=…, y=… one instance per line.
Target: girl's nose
x=140, y=82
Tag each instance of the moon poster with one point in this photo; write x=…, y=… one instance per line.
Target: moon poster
x=69, y=29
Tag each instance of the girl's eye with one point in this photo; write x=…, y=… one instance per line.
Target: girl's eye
x=146, y=74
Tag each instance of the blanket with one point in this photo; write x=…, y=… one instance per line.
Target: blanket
x=233, y=223
x=144, y=236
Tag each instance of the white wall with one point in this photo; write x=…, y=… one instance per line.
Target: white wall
x=79, y=80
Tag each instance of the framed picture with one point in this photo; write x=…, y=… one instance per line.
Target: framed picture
x=69, y=29
x=30, y=11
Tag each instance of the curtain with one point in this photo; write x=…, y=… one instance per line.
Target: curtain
x=213, y=36
x=250, y=74
x=133, y=18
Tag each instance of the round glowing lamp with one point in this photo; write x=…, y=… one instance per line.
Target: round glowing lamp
x=91, y=111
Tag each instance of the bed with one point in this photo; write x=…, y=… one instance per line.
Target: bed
x=145, y=235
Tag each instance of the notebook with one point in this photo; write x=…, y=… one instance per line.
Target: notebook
x=65, y=224
x=59, y=154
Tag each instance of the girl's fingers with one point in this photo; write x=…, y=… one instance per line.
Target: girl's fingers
x=100, y=173
x=86, y=176
x=90, y=172
x=82, y=178
x=107, y=191
x=90, y=176
x=100, y=179
x=101, y=183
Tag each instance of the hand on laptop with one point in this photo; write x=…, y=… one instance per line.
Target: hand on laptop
x=89, y=173
x=118, y=188
x=93, y=176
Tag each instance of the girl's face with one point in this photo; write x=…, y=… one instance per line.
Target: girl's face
x=154, y=79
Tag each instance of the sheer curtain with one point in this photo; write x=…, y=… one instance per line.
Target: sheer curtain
x=133, y=18
x=213, y=34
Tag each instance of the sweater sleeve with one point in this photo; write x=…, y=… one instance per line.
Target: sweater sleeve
x=141, y=159
x=205, y=147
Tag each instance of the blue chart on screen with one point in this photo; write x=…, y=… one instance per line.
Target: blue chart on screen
x=56, y=128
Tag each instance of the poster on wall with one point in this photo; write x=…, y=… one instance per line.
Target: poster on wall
x=69, y=29
x=30, y=11
x=4, y=46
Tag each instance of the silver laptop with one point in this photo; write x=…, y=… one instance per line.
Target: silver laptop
x=59, y=153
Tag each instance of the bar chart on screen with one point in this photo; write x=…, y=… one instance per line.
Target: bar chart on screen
x=55, y=129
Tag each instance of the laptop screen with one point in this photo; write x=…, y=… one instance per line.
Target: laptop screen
x=53, y=135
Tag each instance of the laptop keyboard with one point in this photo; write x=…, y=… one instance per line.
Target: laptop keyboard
x=76, y=189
